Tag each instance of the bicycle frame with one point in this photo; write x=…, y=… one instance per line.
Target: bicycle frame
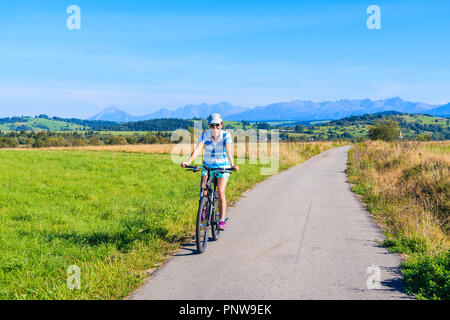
x=211, y=193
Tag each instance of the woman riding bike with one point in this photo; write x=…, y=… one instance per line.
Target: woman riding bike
x=218, y=154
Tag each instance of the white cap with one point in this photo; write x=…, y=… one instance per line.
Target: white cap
x=215, y=119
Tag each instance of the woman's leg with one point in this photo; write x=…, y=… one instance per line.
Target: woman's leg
x=203, y=184
x=221, y=186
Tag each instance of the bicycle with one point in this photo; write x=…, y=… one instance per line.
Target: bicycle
x=207, y=216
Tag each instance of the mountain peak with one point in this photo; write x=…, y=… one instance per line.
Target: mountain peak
x=112, y=113
x=112, y=109
x=394, y=100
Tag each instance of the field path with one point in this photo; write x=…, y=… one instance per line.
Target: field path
x=301, y=234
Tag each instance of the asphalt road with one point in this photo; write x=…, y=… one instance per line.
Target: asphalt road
x=301, y=234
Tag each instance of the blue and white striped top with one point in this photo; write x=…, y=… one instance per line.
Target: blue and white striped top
x=215, y=153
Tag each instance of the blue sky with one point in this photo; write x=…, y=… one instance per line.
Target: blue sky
x=144, y=55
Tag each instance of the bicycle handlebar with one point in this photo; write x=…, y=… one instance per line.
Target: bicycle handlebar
x=195, y=169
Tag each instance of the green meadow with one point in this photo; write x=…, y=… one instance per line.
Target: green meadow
x=112, y=214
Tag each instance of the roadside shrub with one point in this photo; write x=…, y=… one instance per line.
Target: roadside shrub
x=428, y=276
x=408, y=245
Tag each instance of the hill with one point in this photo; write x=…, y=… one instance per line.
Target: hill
x=113, y=114
x=413, y=126
x=441, y=111
x=38, y=123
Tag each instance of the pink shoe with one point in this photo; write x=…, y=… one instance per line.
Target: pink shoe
x=222, y=225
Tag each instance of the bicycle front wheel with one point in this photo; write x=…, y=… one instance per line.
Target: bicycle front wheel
x=214, y=225
x=201, y=232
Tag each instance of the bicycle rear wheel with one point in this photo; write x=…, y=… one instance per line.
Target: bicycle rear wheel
x=201, y=232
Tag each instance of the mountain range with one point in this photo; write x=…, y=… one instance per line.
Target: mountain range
x=302, y=110
x=187, y=112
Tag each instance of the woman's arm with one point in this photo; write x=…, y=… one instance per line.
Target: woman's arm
x=195, y=153
x=229, y=151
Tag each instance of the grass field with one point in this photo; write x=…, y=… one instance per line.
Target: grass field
x=425, y=119
x=406, y=185
x=113, y=214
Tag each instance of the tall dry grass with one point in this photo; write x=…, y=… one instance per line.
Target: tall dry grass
x=295, y=153
x=289, y=153
x=407, y=186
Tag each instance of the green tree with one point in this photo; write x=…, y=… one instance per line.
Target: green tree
x=263, y=125
x=386, y=130
x=299, y=128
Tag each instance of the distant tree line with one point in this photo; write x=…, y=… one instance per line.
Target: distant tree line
x=45, y=139
x=10, y=120
x=155, y=125
x=100, y=125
